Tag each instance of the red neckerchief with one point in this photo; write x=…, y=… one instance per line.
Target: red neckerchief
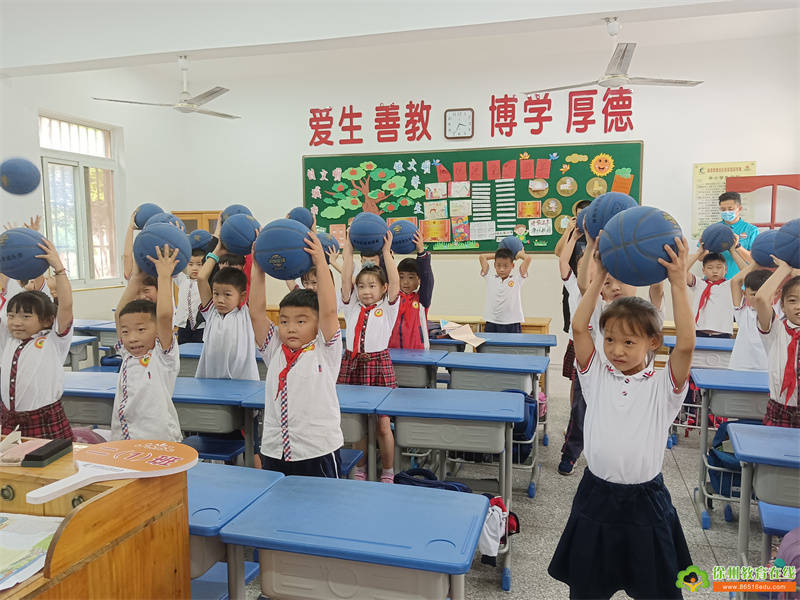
x=705, y=296
x=291, y=359
x=407, y=304
x=790, y=372
x=361, y=325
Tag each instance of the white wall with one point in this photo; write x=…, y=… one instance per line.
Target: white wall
x=747, y=109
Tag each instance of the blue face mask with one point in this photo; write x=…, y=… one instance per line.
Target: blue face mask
x=728, y=215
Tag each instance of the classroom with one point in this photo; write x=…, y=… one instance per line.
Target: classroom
x=557, y=349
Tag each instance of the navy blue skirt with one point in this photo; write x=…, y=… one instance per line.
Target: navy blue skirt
x=621, y=537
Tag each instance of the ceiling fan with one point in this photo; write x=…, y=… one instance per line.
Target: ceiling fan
x=616, y=74
x=186, y=103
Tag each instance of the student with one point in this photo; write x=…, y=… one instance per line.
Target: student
x=35, y=337
x=504, y=290
x=232, y=261
x=302, y=430
x=370, y=314
x=748, y=352
x=229, y=350
x=143, y=407
x=711, y=303
x=308, y=280
x=187, y=320
x=416, y=291
x=781, y=339
x=611, y=290
x=622, y=516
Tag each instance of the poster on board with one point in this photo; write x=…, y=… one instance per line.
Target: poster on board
x=708, y=182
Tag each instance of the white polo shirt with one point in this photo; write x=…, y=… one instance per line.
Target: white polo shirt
x=748, y=352
x=627, y=420
x=717, y=314
x=504, y=297
x=229, y=345
x=776, y=342
x=314, y=417
x=188, y=302
x=380, y=322
x=143, y=401
x=39, y=379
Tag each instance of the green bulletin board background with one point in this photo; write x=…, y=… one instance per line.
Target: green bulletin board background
x=514, y=189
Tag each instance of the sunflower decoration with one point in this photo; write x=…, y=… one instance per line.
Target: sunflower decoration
x=602, y=164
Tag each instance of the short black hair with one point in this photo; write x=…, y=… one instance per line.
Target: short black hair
x=581, y=204
x=35, y=302
x=301, y=298
x=199, y=252
x=150, y=281
x=755, y=279
x=231, y=276
x=373, y=270
x=308, y=274
x=408, y=265
x=231, y=260
x=138, y=306
x=789, y=286
x=712, y=256
x=503, y=253
x=730, y=196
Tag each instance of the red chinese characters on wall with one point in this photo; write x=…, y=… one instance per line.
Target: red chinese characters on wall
x=412, y=120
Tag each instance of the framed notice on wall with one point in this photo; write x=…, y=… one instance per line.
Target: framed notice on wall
x=708, y=182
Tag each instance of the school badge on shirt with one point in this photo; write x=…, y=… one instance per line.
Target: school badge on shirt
x=510, y=284
x=415, y=304
x=39, y=343
x=145, y=360
x=379, y=312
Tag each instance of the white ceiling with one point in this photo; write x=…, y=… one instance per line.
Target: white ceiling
x=51, y=36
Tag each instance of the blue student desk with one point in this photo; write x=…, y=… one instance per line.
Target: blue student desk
x=78, y=350
x=416, y=368
x=356, y=402
x=447, y=344
x=190, y=356
x=494, y=372
x=731, y=394
x=216, y=494
x=360, y=539
x=104, y=330
x=709, y=353
x=770, y=458
x=205, y=405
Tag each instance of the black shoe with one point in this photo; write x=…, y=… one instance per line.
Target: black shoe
x=565, y=467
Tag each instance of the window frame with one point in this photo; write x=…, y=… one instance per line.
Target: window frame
x=81, y=162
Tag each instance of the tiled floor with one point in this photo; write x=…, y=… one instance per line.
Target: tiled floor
x=543, y=517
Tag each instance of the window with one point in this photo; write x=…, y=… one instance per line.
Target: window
x=78, y=168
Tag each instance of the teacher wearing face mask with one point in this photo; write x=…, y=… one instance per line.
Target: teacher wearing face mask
x=730, y=206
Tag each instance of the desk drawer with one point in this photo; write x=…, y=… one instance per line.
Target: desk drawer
x=777, y=485
x=738, y=405
x=13, y=492
x=710, y=359
x=450, y=434
x=88, y=411
x=411, y=376
x=304, y=577
x=354, y=427
x=530, y=350
x=209, y=418
x=467, y=379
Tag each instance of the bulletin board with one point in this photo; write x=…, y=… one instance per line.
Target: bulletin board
x=469, y=200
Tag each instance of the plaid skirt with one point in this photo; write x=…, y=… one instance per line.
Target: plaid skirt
x=568, y=368
x=367, y=368
x=779, y=415
x=49, y=422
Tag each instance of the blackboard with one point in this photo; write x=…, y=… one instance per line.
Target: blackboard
x=468, y=200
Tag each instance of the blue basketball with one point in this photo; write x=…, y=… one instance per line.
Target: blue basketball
x=367, y=232
x=19, y=176
x=144, y=212
x=764, y=246
x=403, y=233
x=633, y=241
x=718, y=237
x=328, y=242
x=200, y=238
x=512, y=243
x=303, y=215
x=158, y=234
x=280, y=249
x=604, y=207
x=787, y=243
x=580, y=220
x=235, y=209
x=165, y=217
x=238, y=233
x=18, y=250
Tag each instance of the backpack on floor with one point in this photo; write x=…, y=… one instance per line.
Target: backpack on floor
x=524, y=431
x=426, y=478
x=725, y=484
